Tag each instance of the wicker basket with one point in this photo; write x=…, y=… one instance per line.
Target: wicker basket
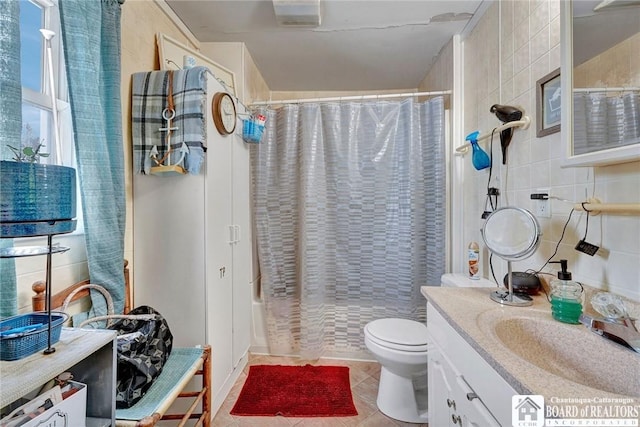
x=22, y=344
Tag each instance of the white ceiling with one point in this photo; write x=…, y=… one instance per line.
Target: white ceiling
x=360, y=44
x=596, y=31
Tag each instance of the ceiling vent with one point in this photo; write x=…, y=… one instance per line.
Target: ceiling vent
x=297, y=13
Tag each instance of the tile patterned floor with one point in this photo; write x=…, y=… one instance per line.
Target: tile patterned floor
x=364, y=387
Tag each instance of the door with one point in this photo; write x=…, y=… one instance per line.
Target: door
x=472, y=410
x=169, y=252
x=219, y=271
x=441, y=405
x=241, y=261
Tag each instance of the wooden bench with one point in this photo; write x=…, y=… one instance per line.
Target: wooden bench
x=183, y=364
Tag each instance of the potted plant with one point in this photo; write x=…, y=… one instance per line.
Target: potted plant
x=29, y=150
x=35, y=199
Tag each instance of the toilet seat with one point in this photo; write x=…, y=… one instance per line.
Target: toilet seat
x=398, y=334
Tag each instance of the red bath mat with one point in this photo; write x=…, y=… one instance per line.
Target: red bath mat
x=296, y=391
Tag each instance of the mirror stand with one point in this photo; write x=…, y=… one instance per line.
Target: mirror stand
x=512, y=234
x=507, y=297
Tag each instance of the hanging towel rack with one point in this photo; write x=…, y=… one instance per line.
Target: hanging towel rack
x=594, y=206
x=231, y=91
x=522, y=124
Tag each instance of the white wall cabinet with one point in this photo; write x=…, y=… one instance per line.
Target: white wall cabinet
x=464, y=390
x=192, y=253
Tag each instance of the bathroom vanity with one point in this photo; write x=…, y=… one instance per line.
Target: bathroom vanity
x=464, y=389
x=481, y=354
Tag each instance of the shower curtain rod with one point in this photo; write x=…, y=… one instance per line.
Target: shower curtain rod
x=606, y=89
x=352, y=98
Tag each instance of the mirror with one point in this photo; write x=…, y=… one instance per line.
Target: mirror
x=601, y=81
x=512, y=234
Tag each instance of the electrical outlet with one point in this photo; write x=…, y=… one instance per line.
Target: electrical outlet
x=543, y=207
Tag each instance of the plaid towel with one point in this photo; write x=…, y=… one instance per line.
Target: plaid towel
x=149, y=99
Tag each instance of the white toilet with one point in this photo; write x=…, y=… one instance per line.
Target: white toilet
x=400, y=345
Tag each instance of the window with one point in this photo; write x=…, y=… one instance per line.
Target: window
x=37, y=107
x=37, y=118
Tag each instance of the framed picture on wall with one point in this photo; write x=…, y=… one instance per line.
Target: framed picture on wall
x=548, y=104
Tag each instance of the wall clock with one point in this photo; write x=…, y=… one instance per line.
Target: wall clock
x=224, y=113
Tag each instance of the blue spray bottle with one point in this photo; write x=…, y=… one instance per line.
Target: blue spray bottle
x=479, y=158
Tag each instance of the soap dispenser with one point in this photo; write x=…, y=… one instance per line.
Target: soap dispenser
x=566, y=296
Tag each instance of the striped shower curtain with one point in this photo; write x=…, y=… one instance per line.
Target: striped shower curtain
x=602, y=121
x=349, y=205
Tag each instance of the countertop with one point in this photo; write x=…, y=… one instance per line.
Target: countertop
x=554, y=351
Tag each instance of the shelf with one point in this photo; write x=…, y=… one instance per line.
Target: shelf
x=19, y=377
x=25, y=251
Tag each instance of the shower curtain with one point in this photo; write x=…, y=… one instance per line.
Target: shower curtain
x=349, y=205
x=601, y=122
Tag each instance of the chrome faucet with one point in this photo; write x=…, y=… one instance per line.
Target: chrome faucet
x=621, y=330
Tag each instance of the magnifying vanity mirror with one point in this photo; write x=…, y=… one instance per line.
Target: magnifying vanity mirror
x=512, y=234
x=600, y=81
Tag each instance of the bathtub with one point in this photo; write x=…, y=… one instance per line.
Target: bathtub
x=258, y=321
x=259, y=344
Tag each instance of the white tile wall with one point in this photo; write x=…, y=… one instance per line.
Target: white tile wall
x=529, y=47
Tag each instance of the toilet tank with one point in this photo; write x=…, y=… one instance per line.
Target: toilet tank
x=458, y=280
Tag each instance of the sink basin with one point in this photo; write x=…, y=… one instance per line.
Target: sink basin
x=568, y=351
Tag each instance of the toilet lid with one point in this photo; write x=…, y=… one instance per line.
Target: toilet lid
x=399, y=332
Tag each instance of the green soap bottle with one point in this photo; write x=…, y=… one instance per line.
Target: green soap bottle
x=566, y=297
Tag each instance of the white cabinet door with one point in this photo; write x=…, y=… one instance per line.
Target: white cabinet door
x=219, y=266
x=440, y=403
x=169, y=252
x=452, y=402
x=471, y=409
x=242, y=263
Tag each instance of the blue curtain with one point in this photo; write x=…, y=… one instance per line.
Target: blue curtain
x=91, y=38
x=10, y=129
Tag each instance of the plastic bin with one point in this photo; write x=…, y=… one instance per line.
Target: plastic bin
x=252, y=131
x=70, y=412
x=15, y=346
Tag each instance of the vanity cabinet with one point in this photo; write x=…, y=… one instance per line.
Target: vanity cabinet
x=464, y=390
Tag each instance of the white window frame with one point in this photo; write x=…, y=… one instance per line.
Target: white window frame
x=51, y=21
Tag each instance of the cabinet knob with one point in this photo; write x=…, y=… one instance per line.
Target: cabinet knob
x=456, y=419
x=451, y=404
x=471, y=396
